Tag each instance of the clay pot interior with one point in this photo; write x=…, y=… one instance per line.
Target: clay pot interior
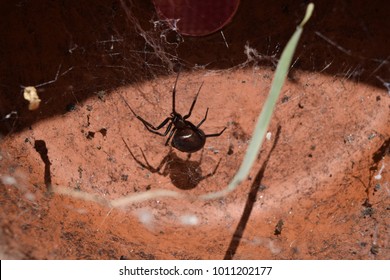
x=319, y=189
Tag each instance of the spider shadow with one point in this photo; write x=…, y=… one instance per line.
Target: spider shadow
x=184, y=174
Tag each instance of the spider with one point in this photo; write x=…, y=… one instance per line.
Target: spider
x=187, y=137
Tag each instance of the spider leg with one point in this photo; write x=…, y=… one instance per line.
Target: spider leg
x=153, y=129
x=193, y=103
x=127, y=104
x=148, y=125
x=174, y=94
x=202, y=121
x=170, y=135
x=215, y=134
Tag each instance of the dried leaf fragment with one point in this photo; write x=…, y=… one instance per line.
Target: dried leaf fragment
x=31, y=95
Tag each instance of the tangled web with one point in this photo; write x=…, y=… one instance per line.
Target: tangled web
x=110, y=47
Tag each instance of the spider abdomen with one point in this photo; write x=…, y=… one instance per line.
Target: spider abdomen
x=189, y=140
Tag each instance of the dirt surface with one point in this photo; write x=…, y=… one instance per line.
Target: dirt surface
x=319, y=189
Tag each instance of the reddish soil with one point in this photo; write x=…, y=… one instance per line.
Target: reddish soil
x=319, y=189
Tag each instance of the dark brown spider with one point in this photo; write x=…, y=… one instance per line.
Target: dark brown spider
x=187, y=137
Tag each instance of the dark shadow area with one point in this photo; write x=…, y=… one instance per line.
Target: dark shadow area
x=184, y=174
x=383, y=151
x=40, y=147
x=72, y=50
x=251, y=200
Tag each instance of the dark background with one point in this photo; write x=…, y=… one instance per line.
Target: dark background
x=99, y=45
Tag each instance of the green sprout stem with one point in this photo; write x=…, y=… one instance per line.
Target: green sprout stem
x=266, y=113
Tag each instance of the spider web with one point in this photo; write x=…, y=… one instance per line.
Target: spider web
x=136, y=54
